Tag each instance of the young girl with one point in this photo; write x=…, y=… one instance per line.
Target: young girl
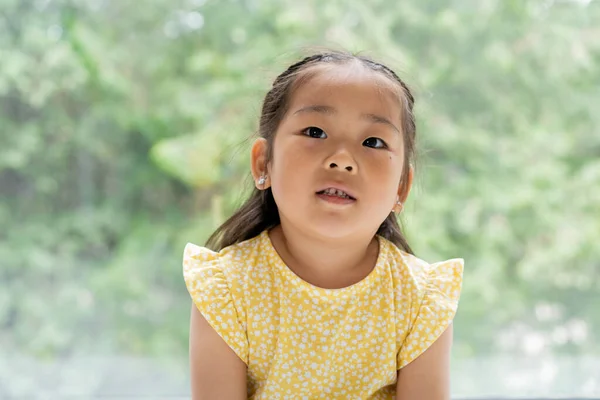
x=312, y=291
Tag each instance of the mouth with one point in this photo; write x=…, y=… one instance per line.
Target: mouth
x=334, y=193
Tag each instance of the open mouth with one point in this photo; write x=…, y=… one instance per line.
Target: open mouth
x=332, y=192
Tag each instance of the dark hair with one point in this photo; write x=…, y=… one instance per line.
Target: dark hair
x=260, y=212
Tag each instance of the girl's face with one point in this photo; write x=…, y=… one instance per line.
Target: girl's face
x=342, y=133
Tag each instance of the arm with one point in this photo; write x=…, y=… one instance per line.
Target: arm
x=216, y=372
x=428, y=376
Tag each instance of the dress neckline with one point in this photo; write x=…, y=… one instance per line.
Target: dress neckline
x=278, y=262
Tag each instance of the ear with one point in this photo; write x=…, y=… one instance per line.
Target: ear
x=258, y=163
x=404, y=190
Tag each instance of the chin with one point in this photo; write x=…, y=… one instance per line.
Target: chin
x=331, y=224
x=334, y=230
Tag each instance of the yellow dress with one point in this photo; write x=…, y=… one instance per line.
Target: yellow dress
x=300, y=341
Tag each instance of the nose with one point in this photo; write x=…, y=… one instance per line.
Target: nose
x=342, y=161
x=347, y=167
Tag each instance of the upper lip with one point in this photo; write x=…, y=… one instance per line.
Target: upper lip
x=338, y=186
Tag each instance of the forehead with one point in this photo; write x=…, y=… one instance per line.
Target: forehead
x=352, y=82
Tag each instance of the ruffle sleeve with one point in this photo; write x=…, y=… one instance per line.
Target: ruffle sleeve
x=435, y=307
x=210, y=291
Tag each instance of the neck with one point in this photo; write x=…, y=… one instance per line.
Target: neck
x=325, y=262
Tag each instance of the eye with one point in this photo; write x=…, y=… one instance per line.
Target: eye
x=315, y=132
x=375, y=143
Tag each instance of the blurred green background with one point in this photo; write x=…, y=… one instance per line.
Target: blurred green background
x=124, y=134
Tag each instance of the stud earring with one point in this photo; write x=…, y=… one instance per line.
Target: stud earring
x=398, y=203
x=262, y=180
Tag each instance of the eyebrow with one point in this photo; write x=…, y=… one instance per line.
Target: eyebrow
x=328, y=110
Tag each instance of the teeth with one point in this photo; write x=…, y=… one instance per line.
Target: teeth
x=335, y=192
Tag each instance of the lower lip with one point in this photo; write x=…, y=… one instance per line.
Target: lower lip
x=335, y=199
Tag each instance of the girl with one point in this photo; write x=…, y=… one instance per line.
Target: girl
x=312, y=291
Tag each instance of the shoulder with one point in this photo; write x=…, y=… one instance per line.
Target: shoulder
x=414, y=271
x=210, y=274
x=229, y=261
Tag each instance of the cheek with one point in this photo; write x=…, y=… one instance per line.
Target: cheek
x=292, y=158
x=387, y=173
x=290, y=168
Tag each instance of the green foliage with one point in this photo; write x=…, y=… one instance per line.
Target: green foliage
x=123, y=135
